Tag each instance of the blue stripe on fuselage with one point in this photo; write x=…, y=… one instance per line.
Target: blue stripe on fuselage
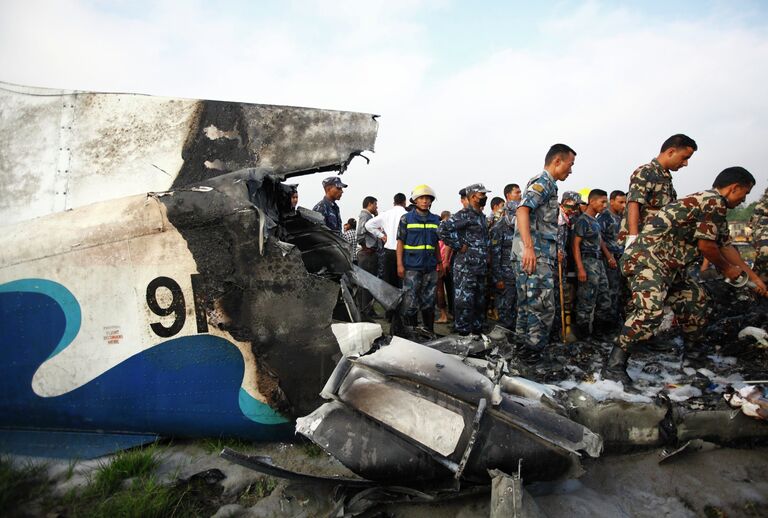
x=187, y=386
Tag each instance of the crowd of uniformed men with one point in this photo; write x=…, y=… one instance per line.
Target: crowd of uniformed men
x=631, y=253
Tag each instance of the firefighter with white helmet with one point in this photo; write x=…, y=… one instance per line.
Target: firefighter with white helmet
x=418, y=262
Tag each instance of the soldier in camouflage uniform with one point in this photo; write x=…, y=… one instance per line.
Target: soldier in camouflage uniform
x=592, y=296
x=466, y=232
x=657, y=264
x=502, y=269
x=535, y=250
x=759, y=224
x=610, y=223
x=334, y=188
x=650, y=185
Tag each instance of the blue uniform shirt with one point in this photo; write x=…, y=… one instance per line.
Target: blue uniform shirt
x=502, y=235
x=467, y=227
x=610, y=224
x=331, y=214
x=541, y=197
x=588, y=229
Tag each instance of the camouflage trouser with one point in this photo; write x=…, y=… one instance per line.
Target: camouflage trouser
x=651, y=288
x=593, y=296
x=535, y=305
x=420, y=289
x=469, y=301
x=506, y=302
x=761, y=259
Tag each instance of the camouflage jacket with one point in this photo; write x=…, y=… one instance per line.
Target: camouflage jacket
x=331, y=214
x=671, y=236
x=759, y=222
x=502, y=235
x=650, y=186
x=588, y=229
x=541, y=197
x=610, y=224
x=467, y=227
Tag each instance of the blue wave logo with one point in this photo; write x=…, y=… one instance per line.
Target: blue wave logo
x=185, y=386
x=62, y=296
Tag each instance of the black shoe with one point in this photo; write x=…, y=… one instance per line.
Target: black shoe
x=428, y=318
x=615, y=368
x=580, y=331
x=603, y=330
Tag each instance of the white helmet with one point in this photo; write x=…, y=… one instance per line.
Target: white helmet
x=422, y=190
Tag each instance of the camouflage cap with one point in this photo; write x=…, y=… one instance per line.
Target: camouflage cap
x=475, y=187
x=571, y=196
x=335, y=181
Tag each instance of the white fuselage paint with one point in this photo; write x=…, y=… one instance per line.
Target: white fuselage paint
x=106, y=254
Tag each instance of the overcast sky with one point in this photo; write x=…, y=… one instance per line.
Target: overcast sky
x=467, y=91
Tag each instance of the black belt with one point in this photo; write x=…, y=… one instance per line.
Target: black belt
x=596, y=255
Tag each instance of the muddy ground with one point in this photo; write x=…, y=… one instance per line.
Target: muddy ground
x=703, y=481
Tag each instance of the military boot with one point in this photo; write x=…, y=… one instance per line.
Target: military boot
x=580, y=331
x=603, y=330
x=398, y=326
x=428, y=318
x=615, y=368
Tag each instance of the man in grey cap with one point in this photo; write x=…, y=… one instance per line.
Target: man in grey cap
x=466, y=232
x=535, y=247
x=334, y=188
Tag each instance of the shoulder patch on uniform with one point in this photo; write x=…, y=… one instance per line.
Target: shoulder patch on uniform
x=537, y=187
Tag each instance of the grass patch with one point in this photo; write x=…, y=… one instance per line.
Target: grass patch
x=216, y=444
x=127, y=487
x=20, y=485
x=312, y=450
x=140, y=462
x=259, y=489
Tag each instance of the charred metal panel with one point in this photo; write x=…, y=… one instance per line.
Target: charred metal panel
x=410, y=413
x=257, y=288
x=64, y=149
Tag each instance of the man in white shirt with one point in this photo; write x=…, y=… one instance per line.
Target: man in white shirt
x=384, y=226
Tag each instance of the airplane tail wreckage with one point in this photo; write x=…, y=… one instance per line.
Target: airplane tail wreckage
x=156, y=281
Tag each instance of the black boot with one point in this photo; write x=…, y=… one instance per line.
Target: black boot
x=428, y=318
x=398, y=328
x=615, y=367
x=603, y=330
x=580, y=331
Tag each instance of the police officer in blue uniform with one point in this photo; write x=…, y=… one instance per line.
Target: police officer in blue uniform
x=535, y=248
x=466, y=232
x=334, y=188
x=502, y=269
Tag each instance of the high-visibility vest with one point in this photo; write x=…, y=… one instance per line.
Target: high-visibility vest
x=420, y=241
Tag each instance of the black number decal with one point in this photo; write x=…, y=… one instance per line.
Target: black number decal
x=177, y=306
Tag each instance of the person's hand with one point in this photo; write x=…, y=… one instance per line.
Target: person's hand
x=582, y=275
x=732, y=272
x=463, y=248
x=500, y=285
x=529, y=260
x=630, y=239
x=560, y=256
x=401, y=271
x=384, y=238
x=612, y=262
